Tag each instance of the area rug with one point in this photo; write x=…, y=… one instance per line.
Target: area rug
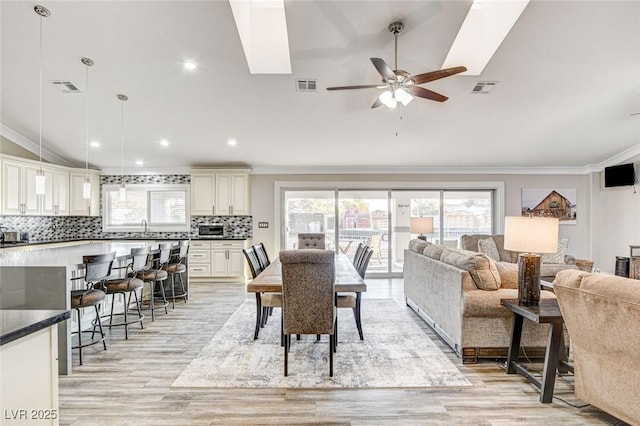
x=395, y=353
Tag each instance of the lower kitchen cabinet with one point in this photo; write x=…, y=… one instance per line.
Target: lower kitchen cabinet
x=216, y=259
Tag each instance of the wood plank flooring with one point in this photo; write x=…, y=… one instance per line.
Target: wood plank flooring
x=130, y=382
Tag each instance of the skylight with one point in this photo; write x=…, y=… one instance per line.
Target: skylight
x=487, y=24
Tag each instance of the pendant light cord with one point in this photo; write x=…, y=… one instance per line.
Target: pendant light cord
x=122, y=142
x=40, y=100
x=86, y=130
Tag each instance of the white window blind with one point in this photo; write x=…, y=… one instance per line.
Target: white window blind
x=167, y=207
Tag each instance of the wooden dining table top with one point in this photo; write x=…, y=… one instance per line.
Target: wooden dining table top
x=347, y=278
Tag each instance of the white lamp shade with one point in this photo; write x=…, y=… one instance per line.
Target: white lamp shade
x=531, y=234
x=86, y=190
x=40, y=183
x=421, y=225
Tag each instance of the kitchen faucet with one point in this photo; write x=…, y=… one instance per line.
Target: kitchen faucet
x=144, y=222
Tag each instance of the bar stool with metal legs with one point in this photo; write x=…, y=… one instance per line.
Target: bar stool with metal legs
x=128, y=285
x=177, y=267
x=97, y=269
x=156, y=276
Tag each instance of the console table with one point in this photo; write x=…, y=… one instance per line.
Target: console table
x=547, y=312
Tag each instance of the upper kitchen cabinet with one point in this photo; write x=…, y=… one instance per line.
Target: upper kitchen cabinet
x=19, y=189
x=220, y=192
x=78, y=204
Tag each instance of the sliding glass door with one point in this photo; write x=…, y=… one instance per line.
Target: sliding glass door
x=380, y=219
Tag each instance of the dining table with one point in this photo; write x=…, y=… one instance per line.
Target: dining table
x=270, y=281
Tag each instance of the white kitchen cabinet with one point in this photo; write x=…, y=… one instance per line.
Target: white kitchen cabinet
x=220, y=192
x=218, y=259
x=56, y=197
x=78, y=205
x=19, y=189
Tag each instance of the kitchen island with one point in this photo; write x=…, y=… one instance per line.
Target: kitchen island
x=43, y=279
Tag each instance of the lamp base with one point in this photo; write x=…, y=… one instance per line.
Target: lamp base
x=528, y=279
x=422, y=237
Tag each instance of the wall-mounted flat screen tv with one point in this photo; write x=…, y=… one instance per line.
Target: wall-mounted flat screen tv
x=621, y=175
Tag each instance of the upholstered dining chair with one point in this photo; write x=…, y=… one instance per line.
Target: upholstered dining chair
x=308, y=292
x=353, y=301
x=311, y=241
x=129, y=285
x=268, y=301
x=97, y=269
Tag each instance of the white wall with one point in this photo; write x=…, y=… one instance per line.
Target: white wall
x=579, y=235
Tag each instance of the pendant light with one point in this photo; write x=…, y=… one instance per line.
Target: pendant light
x=43, y=12
x=123, y=190
x=86, y=186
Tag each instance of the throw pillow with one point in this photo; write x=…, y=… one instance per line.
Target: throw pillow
x=558, y=256
x=508, y=274
x=488, y=247
x=483, y=270
x=434, y=251
x=417, y=246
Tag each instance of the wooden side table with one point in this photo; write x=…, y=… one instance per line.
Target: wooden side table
x=547, y=312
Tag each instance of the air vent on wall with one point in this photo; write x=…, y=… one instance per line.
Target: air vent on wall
x=484, y=87
x=306, y=85
x=65, y=86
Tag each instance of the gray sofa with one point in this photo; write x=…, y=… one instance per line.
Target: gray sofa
x=548, y=271
x=459, y=297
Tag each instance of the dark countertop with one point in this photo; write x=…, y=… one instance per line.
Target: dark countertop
x=18, y=323
x=150, y=238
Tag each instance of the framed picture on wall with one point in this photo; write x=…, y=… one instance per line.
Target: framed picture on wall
x=551, y=202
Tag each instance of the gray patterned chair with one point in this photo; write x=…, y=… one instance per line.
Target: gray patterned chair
x=311, y=241
x=308, y=280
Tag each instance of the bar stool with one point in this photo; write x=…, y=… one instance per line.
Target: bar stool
x=128, y=285
x=176, y=267
x=156, y=276
x=97, y=269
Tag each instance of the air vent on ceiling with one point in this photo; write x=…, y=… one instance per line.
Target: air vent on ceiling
x=65, y=86
x=484, y=87
x=306, y=85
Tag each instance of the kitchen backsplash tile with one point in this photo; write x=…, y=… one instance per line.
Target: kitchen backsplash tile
x=62, y=228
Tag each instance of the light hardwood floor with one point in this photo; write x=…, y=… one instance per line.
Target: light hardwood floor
x=130, y=382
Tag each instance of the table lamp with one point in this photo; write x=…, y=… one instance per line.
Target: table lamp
x=530, y=236
x=421, y=225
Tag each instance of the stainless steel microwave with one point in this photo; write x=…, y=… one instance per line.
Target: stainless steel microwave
x=213, y=230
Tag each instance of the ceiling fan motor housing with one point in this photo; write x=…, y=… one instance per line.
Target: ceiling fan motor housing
x=396, y=28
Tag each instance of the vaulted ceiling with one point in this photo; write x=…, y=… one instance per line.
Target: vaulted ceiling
x=568, y=78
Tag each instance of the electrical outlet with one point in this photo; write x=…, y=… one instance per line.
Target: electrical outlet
x=263, y=224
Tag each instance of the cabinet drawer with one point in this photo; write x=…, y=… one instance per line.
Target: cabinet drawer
x=200, y=256
x=200, y=245
x=198, y=270
x=231, y=245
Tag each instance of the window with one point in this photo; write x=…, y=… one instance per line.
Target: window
x=164, y=207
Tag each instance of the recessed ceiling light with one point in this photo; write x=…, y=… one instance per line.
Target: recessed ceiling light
x=139, y=162
x=232, y=142
x=164, y=142
x=95, y=144
x=189, y=65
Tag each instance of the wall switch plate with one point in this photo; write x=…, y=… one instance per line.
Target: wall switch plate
x=263, y=224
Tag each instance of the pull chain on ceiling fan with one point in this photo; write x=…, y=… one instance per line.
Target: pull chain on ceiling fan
x=399, y=85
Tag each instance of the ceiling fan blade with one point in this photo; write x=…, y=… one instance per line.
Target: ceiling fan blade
x=385, y=70
x=635, y=113
x=421, y=92
x=368, y=86
x=377, y=103
x=436, y=75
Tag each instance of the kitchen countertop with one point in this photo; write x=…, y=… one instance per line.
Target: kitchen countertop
x=18, y=323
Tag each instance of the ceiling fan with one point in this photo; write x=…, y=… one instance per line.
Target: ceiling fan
x=399, y=84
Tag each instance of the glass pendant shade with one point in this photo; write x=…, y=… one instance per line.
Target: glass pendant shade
x=86, y=189
x=122, y=193
x=40, y=183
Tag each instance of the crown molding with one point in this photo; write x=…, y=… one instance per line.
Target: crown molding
x=33, y=147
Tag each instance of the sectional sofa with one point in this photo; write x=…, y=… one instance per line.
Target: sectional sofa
x=458, y=293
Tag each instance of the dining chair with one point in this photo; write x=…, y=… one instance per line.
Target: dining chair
x=261, y=253
x=97, y=269
x=268, y=301
x=311, y=241
x=374, y=243
x=308, y=295
x=353, y=301
x=357, y=257
x=129, y=285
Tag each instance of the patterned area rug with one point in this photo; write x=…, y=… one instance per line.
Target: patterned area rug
x=395, y=353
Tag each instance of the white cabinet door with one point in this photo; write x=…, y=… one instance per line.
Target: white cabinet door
x=12, y=186
x=78, y=205
x=223, y=194
x=31, y=201
x=202, y=194
x=55, y=200
x=219, y=262
x=240, y=194
x=236, y=263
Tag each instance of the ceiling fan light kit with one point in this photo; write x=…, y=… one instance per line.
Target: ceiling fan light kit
x=401, y=86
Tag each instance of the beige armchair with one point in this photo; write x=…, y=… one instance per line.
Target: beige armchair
x=602, y=313
x=308, y=279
